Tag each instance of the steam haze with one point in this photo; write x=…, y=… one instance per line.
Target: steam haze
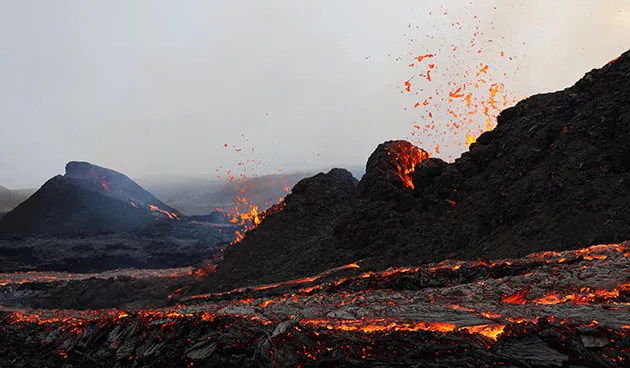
x=158, y=87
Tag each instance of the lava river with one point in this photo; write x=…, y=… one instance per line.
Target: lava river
x=548, y=309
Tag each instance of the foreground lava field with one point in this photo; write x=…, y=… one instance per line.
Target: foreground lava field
x=551, y=309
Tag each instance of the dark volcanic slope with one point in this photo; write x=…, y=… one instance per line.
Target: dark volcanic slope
x=553, y=174
x=87, y=198
x=304, y=236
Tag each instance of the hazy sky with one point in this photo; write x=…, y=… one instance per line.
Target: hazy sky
x=158, y=87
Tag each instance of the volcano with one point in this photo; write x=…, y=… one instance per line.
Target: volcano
x=87, y=199
x=552, y=175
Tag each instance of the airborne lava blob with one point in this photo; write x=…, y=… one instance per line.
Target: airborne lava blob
x=458, y=86
x=248, y=182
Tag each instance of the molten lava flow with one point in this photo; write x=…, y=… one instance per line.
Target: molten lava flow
x=170, y=215
x=405, y=161
x=380, y=325
x=520, y=297
x=491, y=331
x=308, y=279
x=585, y=295
x=440, y=304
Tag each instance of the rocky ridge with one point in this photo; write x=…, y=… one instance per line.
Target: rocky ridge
x=552, y=175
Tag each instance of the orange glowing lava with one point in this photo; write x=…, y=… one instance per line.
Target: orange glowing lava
x=251, y=186
x=380, y=325
x=464, y=84
x=520, y=297
x=170, y=215
x=405, y=161
x=491, y=331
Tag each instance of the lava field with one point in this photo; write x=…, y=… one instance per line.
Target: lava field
x=549, y=309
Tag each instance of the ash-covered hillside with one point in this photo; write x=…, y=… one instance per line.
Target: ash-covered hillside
x=553, y=175
x=87, y=199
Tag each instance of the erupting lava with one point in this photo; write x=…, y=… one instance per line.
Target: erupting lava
x=457, y=92
x=245, y=211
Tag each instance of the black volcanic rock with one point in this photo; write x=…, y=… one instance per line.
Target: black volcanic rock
x=553, y=175
x=388, y=170
x=87, y=199
x=112, y=184
x=298, y=236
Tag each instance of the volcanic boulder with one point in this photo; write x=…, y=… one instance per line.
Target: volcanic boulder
x=553, y=175
x=87, y=199
x=389, y=170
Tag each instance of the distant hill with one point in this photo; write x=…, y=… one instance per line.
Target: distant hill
x=6, y=199
x=200, y=196
x=88, y=198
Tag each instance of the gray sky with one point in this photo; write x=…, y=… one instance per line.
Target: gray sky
x=158, y=87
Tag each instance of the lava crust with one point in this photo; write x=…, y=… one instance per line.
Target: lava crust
x=551, y=309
